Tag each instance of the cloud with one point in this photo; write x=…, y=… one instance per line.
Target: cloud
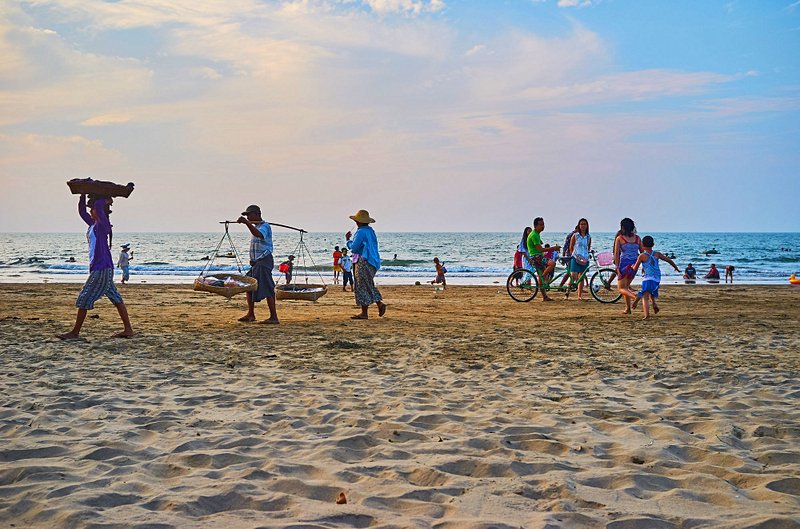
x=577, y=3
x=312, y=95
x=39, y=156
x=106, y=119
x=407, y=7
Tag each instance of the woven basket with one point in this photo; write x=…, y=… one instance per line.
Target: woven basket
x=302, y=292
x=80, y=186
x=228, y=292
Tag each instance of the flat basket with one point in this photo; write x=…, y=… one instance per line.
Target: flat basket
x=80, y=186
x=228, y=292
x=302, y=292
x=605, y=259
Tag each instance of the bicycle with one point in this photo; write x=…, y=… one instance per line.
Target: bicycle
x=523, y=285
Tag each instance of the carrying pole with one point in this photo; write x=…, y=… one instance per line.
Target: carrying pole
x=226, y=222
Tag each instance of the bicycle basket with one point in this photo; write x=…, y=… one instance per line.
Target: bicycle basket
x=605, y=259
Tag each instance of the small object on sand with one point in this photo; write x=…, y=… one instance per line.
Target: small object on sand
x=637, y=460
x=417, y=283
x=341, y=499
x=95, y=316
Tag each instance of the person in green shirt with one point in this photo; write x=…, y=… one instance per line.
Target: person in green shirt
x=536, y=250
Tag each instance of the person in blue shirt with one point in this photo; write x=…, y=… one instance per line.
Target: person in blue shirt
x=366, y=263
x=690, y=272
x=651, y=281
x=261, y=264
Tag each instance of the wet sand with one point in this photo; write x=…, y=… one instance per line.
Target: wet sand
x=459, y=409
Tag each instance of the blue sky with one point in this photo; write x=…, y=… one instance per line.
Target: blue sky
x=437, y=115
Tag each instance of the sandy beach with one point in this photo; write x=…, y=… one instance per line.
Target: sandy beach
x=459, y=409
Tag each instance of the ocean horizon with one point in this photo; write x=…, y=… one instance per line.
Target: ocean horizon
x=471, y=258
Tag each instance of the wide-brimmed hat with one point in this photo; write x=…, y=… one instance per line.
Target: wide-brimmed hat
x=252, y=209
x=126, y=245
x=362, y=217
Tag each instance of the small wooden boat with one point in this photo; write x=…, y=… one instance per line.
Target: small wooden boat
x=88, y=186
x=304, y=292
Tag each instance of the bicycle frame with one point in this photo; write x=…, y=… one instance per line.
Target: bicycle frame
x=573, y=283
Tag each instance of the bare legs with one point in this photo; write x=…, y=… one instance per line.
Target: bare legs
x=624, y=287
x=365, y=311
x=545, y=274
x=647, y=299
x=251, y=310
x=74, y=334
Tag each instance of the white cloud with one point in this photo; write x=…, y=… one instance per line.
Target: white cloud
x=106, y=119
x=475, y=50
x=577, y=3
x=312, y=94
x=408, y=7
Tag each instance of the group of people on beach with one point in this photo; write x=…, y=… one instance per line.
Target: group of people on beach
x=358, y=260
x=630, y=254
x=362, y=244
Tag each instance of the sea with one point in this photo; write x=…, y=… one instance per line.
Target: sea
x=470, y=258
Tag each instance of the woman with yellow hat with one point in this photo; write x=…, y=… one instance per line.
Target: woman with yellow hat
x=366, y=263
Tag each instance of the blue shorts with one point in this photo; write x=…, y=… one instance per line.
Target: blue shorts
x=126, y=273
x=650, y=286
x=99, y=284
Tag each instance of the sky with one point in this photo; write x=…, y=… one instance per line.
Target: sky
x=434, y=115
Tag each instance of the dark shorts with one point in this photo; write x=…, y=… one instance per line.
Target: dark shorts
x=99, y=284
x=261, y=271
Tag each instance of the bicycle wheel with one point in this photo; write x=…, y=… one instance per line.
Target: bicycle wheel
x=603, y=286
x=522, y=285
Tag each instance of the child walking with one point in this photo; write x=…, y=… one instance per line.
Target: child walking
x=440, y=272
x=287, y=267
x=648, y=259
x=346, y=262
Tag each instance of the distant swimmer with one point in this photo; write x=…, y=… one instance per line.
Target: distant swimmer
x=71, y=260
x=712, y=251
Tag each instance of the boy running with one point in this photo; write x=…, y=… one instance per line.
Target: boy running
x=648, y=259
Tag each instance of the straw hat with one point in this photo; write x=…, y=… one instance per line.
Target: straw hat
x=362, y=217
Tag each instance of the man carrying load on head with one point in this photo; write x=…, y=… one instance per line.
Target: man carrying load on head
x=261, y=264
x=101, y=267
